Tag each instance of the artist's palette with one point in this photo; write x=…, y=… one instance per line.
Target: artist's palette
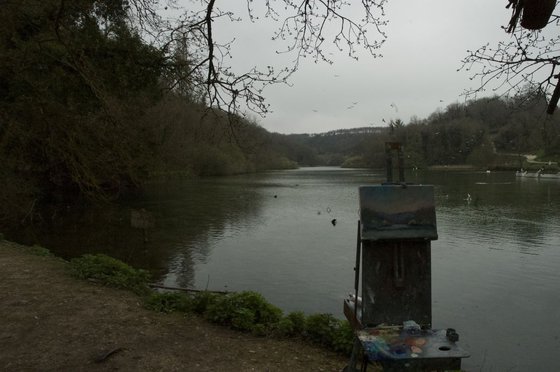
x=395, y=343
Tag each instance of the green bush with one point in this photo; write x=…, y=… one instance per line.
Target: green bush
x=286, y=327
x=343, y=337
x=243, y=319
x=326, y=330
x=202, y=300
x=40, y=251
x=110, y=272
x=168, y=302
x=320, y=328
x=298, y=320
x=246, y=311
x=292, y=325
x=260, y=330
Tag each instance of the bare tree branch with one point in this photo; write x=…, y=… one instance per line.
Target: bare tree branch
x=528, y=61
x=306, y=26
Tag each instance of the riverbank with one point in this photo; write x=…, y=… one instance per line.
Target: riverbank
x=52, y=322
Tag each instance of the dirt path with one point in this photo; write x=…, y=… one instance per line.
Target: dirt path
x=52, y=322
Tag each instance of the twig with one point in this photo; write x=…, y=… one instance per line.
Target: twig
x=154, y=285
x=103, y=357
x=29, y=213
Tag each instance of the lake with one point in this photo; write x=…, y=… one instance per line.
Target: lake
x=494, y=267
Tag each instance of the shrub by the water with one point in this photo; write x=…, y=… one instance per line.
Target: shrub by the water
x=343, y=337
x=292, y=324
x=298, y=320
x=110, y=272
x=320, y=328
x=202, y=300
x=40, y=251
x=169, y=302
x=246, y=311
x=329, y=331
x=286, y=327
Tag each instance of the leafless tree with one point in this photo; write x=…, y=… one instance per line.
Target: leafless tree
x=305, y=28
x=528, y=60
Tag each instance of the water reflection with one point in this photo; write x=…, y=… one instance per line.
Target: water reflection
x=169, y=229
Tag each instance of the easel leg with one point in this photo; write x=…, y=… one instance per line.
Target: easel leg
x=354, y=357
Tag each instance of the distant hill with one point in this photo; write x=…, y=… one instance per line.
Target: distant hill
x=481, y=133
x=334, y=147
x=352, y=131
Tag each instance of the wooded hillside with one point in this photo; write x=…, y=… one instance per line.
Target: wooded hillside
x=88, y=108
x=487, y=133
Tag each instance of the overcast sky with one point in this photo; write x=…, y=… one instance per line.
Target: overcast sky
x=426, y=40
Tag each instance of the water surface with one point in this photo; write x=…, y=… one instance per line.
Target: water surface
x=494, y=268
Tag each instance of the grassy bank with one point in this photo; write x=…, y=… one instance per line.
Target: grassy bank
x=52, y=321
x=243, y=311
x=246, y=312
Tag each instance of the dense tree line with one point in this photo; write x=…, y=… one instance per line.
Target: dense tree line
x=69, y=100
x=487, y=132
x=482, y=132
x=89, y=108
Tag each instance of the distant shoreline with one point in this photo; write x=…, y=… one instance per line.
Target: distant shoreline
x=452, y=167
